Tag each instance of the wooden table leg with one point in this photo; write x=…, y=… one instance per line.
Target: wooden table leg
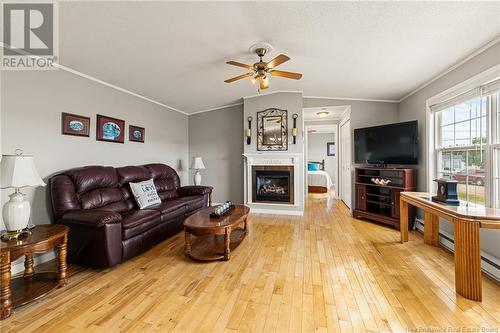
x=403, y=220
x=62, y=252
x=28, y=266
x=431, y=229
x=5, y=292
x=227, y=242
x=467, y=259
x=187, y=243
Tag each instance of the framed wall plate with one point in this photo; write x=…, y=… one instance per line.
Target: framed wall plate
x=73, y=124
x=110, y=129
x=136, y=133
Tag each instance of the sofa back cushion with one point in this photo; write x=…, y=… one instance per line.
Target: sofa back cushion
x=166, y=180
x=97, y=187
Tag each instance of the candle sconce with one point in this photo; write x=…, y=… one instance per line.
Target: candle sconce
x=248, y=131
x=294, y=129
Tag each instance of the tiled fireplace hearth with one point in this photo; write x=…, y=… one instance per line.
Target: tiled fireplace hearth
x=273, y=183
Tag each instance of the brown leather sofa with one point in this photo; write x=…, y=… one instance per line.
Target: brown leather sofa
x=106, y=225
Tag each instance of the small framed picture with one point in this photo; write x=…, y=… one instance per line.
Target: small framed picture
x=110, y=129
x=330, y=148
x=136, y=133
x=73, y=124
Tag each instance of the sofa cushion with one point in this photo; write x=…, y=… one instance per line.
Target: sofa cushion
x=141, y=229
x=132, y=174
x=170, y=208
x=136, y=217
x=93, y=177
x=194, y=202
x=166, y=180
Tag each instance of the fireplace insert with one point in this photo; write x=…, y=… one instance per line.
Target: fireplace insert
x=273, y=184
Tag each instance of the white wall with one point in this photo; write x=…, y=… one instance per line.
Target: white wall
x=316, y=151
x=31, y=106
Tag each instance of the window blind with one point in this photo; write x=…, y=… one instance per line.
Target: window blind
x=486, y=89
x=490, y=87
x=468, y=95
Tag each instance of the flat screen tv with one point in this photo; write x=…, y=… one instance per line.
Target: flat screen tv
x=387, y=144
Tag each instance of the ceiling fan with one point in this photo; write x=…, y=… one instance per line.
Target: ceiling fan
x=261, y=71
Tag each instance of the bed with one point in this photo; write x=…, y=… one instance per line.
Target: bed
x=318, y=180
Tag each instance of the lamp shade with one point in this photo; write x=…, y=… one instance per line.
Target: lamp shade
x=19, y=171
x=197, y=163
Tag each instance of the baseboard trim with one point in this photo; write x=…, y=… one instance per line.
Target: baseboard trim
x=489, y=264
x=276, y=211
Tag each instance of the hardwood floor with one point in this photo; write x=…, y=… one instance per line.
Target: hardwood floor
x=324, y=272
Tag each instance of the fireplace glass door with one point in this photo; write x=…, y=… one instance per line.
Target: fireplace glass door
x=273, y=186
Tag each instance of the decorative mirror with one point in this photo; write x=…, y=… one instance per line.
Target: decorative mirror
x=272, y=127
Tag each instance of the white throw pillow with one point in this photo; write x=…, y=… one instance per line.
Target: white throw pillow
x=145, y=193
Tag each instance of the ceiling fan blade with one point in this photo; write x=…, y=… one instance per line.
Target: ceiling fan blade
x=239, y=77
x=288, y=75
x=239, y=64
x=263, y=84
x=277, y=61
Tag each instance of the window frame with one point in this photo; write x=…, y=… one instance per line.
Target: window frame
x=439, y=149
x=492, y=147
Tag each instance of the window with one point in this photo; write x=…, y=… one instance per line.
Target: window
x=467, y=143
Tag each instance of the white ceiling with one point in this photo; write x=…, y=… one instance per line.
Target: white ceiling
x=175, y=52
x=334, y=113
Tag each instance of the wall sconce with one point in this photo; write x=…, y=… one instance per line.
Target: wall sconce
x=294, y=129
x=248, y=131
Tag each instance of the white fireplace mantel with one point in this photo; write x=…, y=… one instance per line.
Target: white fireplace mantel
x=269, y=159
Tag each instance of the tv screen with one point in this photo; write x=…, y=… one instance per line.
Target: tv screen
x=387, y=144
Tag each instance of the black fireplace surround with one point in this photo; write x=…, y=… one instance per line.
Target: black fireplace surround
x=273, y=184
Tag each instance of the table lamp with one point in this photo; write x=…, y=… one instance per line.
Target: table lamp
x=17, y=171
x=197, y=165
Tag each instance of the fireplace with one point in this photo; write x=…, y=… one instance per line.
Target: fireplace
x=273, y=184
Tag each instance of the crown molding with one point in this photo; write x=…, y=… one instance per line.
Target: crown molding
x=110, y=85
x=450, y=69
x=273, y=92
x=354, y=99
x=215, y=109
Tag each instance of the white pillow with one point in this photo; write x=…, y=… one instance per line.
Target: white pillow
x=145, y=193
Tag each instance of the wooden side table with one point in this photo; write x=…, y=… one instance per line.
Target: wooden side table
x=32, y=285
x=467, y=222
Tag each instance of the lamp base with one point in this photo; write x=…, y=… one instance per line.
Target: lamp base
x=9, y=235
x=197, y=178
x=16, y=212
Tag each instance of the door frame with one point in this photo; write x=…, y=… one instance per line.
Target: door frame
x=345, y=118
x=335, y=127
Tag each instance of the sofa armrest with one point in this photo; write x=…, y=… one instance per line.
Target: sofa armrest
x=185, y=191
x=90, y=217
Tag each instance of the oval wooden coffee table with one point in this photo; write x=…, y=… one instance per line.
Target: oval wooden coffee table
x=216, y=237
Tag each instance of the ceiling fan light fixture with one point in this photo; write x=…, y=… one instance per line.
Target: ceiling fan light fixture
x=260, y=71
